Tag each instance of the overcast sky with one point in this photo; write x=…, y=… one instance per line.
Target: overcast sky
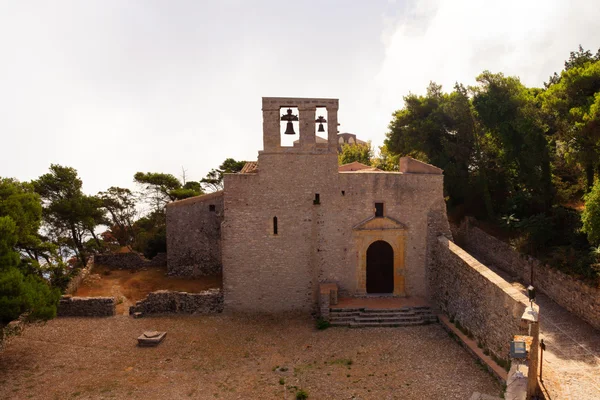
x=112, y=87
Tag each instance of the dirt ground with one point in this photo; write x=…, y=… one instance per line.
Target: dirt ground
x=236, y=357
x=129, y=286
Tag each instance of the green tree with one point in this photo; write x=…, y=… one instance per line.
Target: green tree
x=120, y=204
x=20, y=289
x=386, y=160
x=590, y=217
x=159, y=189
x=511, y=117
x=573, y=103
x=362, y=153
x=67, y=211
x=214, y=179
x=437, y=128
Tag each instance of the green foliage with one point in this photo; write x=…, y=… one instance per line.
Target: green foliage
x=386, y=160
x=20, y=289
x=120, y=205
x=590, y=216
x=214, y=179
x=573, y=106
x=437, y=128
x=159, y=189
x=151, y=234
x=361, y=153
x=322, y=324
x=67, y=211
x=301, y=394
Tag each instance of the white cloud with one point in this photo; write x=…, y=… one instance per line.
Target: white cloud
x=450, y=41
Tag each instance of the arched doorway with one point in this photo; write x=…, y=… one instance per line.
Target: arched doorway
x=380, y=267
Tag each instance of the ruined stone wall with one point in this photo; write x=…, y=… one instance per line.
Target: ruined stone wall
x=168, y=302
x=576, y=296
x=315, y=242
x=129, y=260
x=69, y=306
x=78, y=279
x=194, y=235
x=472, y=294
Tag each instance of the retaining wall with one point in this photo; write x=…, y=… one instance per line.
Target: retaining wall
x=168, y=302
x=576, y=296
x=76, y=281
x=69, y=306
x=475, y=296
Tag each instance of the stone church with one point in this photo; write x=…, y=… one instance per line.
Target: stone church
x=294, y=220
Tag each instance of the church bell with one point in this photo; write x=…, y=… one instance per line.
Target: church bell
x=289, y=129
x=289, y=117
x=320, y=121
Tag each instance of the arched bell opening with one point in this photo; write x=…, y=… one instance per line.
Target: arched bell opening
x=380, y=268
x=321, y=122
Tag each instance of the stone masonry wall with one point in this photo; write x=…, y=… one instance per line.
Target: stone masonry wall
x=69, y=306
x=576, y=296
x=315, y=242
x=194, y=235
x=76, y=281
x=129, y=260
x=484, y=303
x=168, y=302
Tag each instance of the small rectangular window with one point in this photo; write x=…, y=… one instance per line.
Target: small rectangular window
x=343, y=192
x=211, y=207
x=317, y=199
x=379, y=209
x=274, y=225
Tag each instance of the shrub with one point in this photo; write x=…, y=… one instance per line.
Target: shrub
x=301, y=394
x=19, y=294
x=591, y=215
x=322, y=324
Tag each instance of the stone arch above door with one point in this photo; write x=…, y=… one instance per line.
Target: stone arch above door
x=390, y=231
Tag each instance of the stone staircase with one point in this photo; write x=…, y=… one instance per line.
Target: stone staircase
x=381, y=317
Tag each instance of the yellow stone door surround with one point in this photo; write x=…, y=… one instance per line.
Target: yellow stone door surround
x=370, y=231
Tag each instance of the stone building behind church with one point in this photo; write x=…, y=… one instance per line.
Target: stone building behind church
x=295, y=219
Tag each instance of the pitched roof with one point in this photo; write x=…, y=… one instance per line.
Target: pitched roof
x=251, y=167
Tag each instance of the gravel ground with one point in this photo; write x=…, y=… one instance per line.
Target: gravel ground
x=236, y=357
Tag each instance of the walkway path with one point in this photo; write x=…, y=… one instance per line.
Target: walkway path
x=571, y=364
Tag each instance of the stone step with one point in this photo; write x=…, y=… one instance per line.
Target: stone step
x=388, y=319
x=374, y=314
x=384, y=324
x=382, y=316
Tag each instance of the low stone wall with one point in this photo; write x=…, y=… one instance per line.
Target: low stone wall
x=168, y=302
x=485, y=305
x=130, y=260
x=69, y=306
x=78, y=279
x=576, y=296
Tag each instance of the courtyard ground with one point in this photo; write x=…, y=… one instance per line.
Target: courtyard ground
x=129, y=286
x=236, y=357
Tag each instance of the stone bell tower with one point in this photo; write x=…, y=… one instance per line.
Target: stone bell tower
x=275, y=110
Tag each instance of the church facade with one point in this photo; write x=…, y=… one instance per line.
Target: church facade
x=294, y=220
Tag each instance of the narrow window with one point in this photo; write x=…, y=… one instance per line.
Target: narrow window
x=211, y=207
x=343, y=192
x=379, y=209
x=317, y=199
x=274, y=225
